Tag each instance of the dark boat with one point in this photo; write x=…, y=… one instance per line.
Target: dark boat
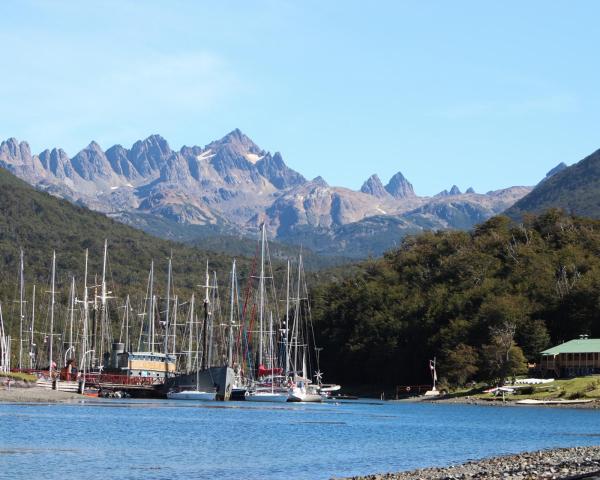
x=219, y=378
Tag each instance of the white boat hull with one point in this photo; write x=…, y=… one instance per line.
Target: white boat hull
x=267, y=397
x=192, y=395
x=305, y=395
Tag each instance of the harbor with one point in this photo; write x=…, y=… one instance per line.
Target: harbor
x=256, y=343
x=174, y=439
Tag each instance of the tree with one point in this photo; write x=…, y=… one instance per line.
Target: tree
x=460, y=364
x=502, y=358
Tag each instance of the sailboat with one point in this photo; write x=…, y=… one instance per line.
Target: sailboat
x=213, y=381
x=196, y=393
x=302, y=388
x=272, y=388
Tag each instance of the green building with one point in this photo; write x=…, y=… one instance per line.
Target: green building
x=573, y=358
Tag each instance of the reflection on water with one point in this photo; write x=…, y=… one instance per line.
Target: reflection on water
x=181, y=440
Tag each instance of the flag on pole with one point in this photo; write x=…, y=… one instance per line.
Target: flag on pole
x=432, y=368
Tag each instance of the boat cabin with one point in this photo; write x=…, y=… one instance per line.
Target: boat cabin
x=573, y=358
x=139, y=364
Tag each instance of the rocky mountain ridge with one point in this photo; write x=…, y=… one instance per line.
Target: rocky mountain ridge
x=232, y=183
x=574, y=189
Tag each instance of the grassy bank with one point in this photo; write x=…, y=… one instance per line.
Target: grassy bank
x=25, y=377
x=561, y=389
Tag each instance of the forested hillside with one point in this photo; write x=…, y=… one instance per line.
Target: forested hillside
x=40, y=223
x=465, y=297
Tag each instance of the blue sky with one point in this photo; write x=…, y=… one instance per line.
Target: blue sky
x=482, y=94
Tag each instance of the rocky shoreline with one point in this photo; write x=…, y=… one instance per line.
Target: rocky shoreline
x=497, y=402
x=560, y=463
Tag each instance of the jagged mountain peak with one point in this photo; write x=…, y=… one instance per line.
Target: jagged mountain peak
x=400, y=187
x=319, y=182
x=57, y=162
x=15, y=149
x=373, y=186
x=93, y=145
x=277, y=172
x=454, y=190
x=154, y=141
x=148, y=155
x=239, y=141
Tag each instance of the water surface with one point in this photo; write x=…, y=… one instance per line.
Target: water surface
x=182, y=440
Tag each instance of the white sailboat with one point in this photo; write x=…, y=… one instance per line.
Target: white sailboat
x=271, y=389
x=302, y=338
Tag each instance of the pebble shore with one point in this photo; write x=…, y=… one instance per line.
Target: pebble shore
x=560, y=463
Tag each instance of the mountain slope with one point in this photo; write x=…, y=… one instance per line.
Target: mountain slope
x=40, y=223
x=233, y=185
x=575, y=189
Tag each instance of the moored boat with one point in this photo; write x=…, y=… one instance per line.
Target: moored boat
x=272, y=395
x=192, y=395
x=304, y=394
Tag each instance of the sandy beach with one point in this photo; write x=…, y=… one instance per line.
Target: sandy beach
x=39, y=395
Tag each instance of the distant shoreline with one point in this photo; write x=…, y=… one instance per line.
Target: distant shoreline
x=32, y=394
x=35, y=394
x=558, y=463
x=497, y=402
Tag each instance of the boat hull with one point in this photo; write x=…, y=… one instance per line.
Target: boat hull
x=219, y=379
x=305, y=397
x=267, y=397
x=304, y=394
x=192, y=395
x=238, y=394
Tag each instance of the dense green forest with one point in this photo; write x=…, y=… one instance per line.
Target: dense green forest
x=40, y=223
x=482, y=302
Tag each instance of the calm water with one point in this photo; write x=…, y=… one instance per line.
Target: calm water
x=171, y=440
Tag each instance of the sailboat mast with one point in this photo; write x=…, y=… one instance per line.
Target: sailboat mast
x=85, y=312
x=262, y=295
x=151, y=310
x=211, y=319
x=31, y=344
x=127, y=307
x=103, y=320
x=51, y=354
x=205, y=326
x=72, y=312
x=166, y=339
x=93, y=359
x=305, y=341
x=287, y=320
x=191, y=333
x=21, y=301
x=295, y=340
x=175, y=326
x=230, y=340
x=272, y=365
